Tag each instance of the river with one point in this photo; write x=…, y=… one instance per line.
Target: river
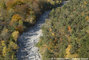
x=28, y=40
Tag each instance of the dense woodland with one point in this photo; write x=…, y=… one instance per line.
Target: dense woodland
x=15, y=17
x=66, y=32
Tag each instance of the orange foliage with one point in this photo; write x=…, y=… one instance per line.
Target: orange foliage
x=87, y=18
x=15, y=18
x=10, y=3
x=20, y=28
x=49, y=48
x=50, y=29
x=69, y=28
x=55, y=40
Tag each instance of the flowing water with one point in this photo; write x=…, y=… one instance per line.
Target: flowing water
x=27, y=40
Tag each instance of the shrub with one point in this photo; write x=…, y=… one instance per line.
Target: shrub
x=15, y=18
x=4, y=34
x=15, y=35
x=13, y=45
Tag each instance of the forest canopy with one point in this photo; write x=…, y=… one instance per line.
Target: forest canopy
x=15, y=17
x=66, y=32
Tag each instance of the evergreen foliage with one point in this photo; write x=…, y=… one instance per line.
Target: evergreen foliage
x=66, y=32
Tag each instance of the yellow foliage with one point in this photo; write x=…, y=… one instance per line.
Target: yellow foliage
x=20, y=22
x=51, y=1
x=12, y=57
x=76, y=58
x=15, y=18
x=15, y=35
x=87, y=18
x=8, y=49
x=53, y=34
x=82, y=13
x=68, y=51
x=6, y=30
x=87, y=31
x=12, y=45
x=85, y=2
x=54, y=1
x=3, y=43
x=31, y=19
x=60, y=1
x=57, y=1
x=4, y=51
x=68, y=54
